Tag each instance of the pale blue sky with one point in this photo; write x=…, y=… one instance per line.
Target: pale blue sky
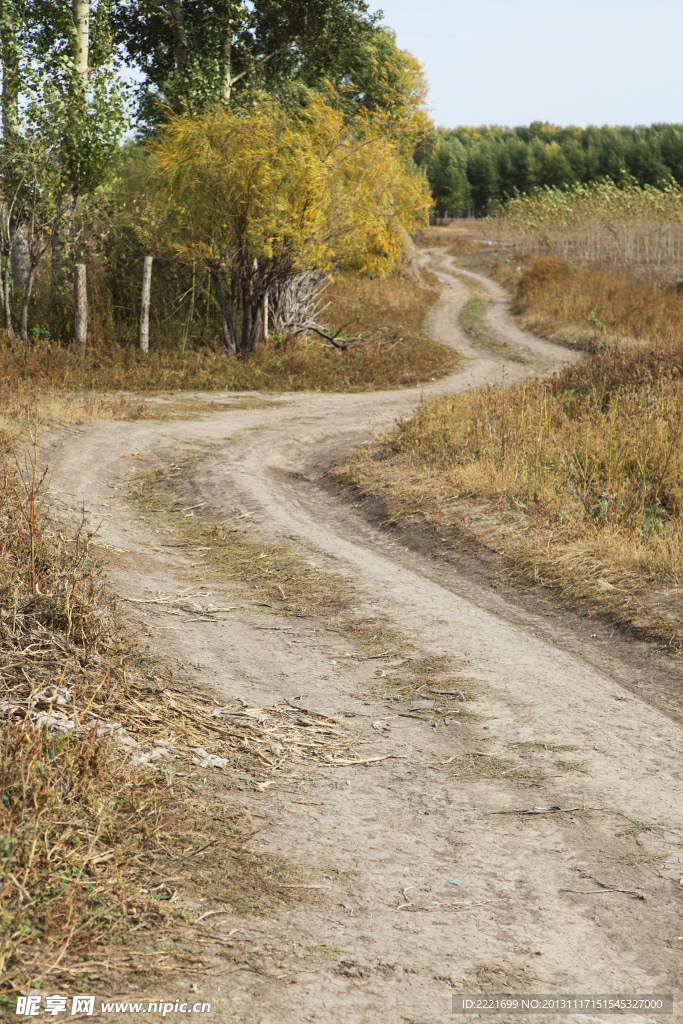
x=566, y=61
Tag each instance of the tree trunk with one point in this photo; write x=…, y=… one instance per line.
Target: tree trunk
x=251, y=327
x=144, y=311
x=9, y=59
x=21, y=259
x=228, y=339
x=80, y=13
x=253, y=291
x=61, y=238
x=28, y=291
x=63, y=232
x=180, y=45
x=9, y=326
x=10, y=73
x=264, y=318
x=226, y=51
x=80, y=307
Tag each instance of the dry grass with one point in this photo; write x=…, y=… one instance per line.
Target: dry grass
x=476, y=766
x=374, y=307
x=533, y=746
x=576, y=482
x=23, y=405
x=531, y=764
x=493, y=977
x=113, y=809
x=590, y=307
x=430, y=679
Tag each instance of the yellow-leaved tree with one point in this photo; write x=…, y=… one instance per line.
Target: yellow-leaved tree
x=258, y=196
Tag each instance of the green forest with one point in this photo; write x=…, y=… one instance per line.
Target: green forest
x=473, y=171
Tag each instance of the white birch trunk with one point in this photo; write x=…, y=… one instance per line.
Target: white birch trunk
x=80, y=13
x=80, y=54
x=20, y=259
x=80, y=307
x=144, y=309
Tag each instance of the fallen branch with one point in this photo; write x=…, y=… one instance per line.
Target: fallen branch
x=345, y=344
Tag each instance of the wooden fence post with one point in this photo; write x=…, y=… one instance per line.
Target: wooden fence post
x=80, y=307
x=266, y=333
x=144, y=311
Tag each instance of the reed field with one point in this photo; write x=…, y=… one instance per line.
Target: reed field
x=628, y=226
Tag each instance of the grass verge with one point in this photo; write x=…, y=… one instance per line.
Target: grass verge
x=370, y=307
x=590, y=307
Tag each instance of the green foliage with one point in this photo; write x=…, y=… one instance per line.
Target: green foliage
x=447, y=175
x=81, y=124
x=63, y=117
x=193, y=54
x=500, y=163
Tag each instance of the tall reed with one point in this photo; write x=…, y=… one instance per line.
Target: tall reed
x=600, y=222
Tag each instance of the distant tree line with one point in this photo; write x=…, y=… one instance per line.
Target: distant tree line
x=473, y=171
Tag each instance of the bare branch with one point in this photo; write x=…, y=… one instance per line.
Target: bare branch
x=348, y=344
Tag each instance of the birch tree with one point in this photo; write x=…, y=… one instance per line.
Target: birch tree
x=63, y=116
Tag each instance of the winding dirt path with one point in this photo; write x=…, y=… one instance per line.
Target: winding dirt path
x=431, y=890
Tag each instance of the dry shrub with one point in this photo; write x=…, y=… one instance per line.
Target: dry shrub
x=72, y=813
x=72, y=820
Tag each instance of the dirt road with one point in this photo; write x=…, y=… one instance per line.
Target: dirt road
x=429, y=889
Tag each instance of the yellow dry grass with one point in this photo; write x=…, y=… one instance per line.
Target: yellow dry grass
x=23, y=407
x=576, y=480
x=590, y=307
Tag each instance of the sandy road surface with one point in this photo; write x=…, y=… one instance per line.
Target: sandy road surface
x=583, y=902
